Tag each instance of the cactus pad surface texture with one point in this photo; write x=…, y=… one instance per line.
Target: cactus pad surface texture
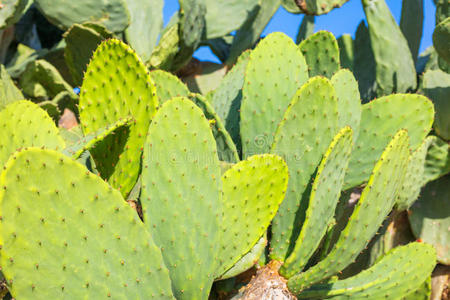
x=24, y=124
x=117, y=85
x=65, y=233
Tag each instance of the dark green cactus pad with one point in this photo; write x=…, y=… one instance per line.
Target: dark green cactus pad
x=11, y=11
x=441, y=39
x=181, y=185
x=307, y=129
x=411, y=24
x=400, y=272
x=380, y=120
x=223, y=17
x=250, y=32
x=168, y=86
x=24, y=124
x=436, y=86
x=442, y=10
x=395, y=69
x=364, y=63
x=324, y=197
x=268, y=89
x=8, y=91
x=227, y=98
x=321, y=53
x=377, y=200
x=81, y=42
x=291, y=6
x=437, y=162
x=414, y=178
x=146, y=21
x=89, y=141
x=226, y=149
x=117, y=85
x=346, y=51
x=42, y=81
x=81, y=239
x=164, y=53
x=113, y=14
x=306, y=29
x=429, y=217
x=248, y=260
x=349, y=103
x=252, y=192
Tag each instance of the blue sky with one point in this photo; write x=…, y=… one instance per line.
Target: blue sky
x=339, y=21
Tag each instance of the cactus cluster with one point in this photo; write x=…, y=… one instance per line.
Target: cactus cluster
x=177, y=179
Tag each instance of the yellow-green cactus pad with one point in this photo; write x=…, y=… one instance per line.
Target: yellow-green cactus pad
x=377, y=200
x=275, y=71
x=181, y=190
x=25, y=124
x=66, y=234
x=252, y=192
x=117, y=85
x=304, y=134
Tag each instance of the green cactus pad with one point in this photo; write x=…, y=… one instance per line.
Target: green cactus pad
x=89, y=141
x=377, y=200
x=248, y=260
x=380, y=120
x=437, y=162
x=11, y=11
x=223, y=17
x=321, y=53
x=346, y=51
x=252, y=192
x=411, y=24
x=414, y=178
x=422, y=293
x=364, y=64
x=429, y=217
x=25, y=124
x=8, y=91
x=66, y=234
x=400, y=272
x=395, y=69
x=227, y=98
x=318, y=7
x=168, y=86
x=146, y=21
x=441, y=39
x=349, y=103
x=164, y=53
x=250, y=32
x=436, y=86
x=181, y=185
x=81, y=42
x=268, y=89
x=306, y=29
x=226, y=149
x=307, y=129
x=324, y=197
x=41, y=80
x=116, y=85
x=113, y=14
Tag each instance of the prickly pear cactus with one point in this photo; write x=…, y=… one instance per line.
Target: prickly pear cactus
x=386, y=178
x=321, y=53
x=113, y=14
x=417, y=261
x=81, y=239
x=429, y=217
x=117, y=85
x=11, y=11
x=181, y=156
x=23, y=124
x=8, y=90
x=264, y=102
